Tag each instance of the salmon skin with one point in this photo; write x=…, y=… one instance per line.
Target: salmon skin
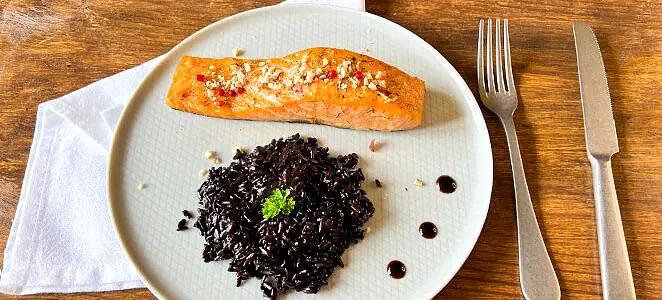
x=318, y=85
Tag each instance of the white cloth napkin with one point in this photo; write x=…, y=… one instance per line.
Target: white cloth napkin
x=62, y=239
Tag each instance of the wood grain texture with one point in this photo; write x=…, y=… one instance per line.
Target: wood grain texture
x=72, y=43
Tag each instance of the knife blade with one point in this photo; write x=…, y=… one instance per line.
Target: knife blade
x=601, y=144
x=599, y=126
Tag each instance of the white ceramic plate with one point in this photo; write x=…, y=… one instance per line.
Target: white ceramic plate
x=163, y=148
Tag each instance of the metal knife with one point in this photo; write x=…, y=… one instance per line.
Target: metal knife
x=601, y=144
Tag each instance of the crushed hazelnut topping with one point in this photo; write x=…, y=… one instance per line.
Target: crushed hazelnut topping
x=382, y=83
x=387, y=99
x=269, y=70
x=274, y=86
x=211, y=84
x=142, y=186
x=346, y=71
x=217, y=160
x=355, y=82
x=202, y=172
x=418, y=182
x=237, y=52
x=212, y=68
x=269, y=75
x=210, y=154
x=309, y=76
x=275, y=74
x=240, y=77
x=237, y=148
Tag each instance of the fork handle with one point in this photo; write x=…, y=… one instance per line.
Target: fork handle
x=537, y=276
x=614, y=263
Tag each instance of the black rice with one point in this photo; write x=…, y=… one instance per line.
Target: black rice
x=296, y=251
x=181, y=225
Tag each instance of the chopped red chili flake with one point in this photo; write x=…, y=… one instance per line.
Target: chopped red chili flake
x=220, y=103
x=232, y=93
x=331, y=74
x=372, y=145
x=240, y=90
x=358, y=75
x=221, y=92
x=201, y=77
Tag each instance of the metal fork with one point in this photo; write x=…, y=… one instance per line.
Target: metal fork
x=537, y=276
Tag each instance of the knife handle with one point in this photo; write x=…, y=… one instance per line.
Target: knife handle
x=617, y=281
x=536, y=272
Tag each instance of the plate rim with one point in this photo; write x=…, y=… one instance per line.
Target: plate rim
x=132, y=103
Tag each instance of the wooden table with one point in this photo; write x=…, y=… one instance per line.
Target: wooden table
x=51, y=48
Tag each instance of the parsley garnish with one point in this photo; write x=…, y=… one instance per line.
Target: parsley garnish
x=278, y=203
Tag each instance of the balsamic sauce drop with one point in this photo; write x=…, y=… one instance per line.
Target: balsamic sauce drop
x=428, y=230
x=446, y=184
x=396, y=269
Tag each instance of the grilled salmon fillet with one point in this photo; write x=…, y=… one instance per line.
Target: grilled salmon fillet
x=318, y=85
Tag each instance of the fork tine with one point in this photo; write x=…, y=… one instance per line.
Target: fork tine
x=499, y=63
x=506, y=54
x=479, y=64
x=490, y=69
